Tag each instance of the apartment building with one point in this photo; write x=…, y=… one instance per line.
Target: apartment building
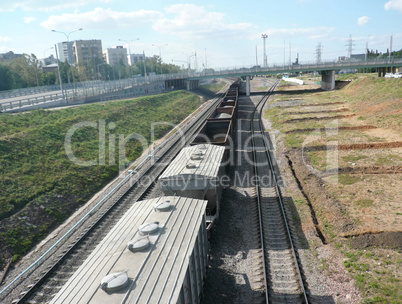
x=87, y=51
x=66, y=52
x=115, y=56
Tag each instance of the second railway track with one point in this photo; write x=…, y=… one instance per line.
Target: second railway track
x=281, y=267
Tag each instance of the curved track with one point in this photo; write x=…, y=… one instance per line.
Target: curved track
x=45, y=277
x=282, y=273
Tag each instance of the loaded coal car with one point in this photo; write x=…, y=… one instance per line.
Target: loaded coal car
x=156, y=253
x=224, y=113
x=197, y=172
x=228, y=103
x=217, y=132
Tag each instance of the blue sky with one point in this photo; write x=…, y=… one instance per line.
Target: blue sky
x=223, y=33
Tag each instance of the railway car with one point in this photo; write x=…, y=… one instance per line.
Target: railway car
x=228, y=104
x=196, y=172
x=156, y=253
x=227, y=113
x=217, y=132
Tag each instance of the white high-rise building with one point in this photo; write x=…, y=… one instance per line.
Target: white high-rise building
x=66, y=51
x=116, y=56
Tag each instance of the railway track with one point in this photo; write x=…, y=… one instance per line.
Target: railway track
x=46, y=276
x=281, y=268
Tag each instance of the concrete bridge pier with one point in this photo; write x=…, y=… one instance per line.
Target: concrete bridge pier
x=328, y=80
x=381, y=72
x=191, y=84
x=247, y=85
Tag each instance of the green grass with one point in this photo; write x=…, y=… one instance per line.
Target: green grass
x=353, y=158
x=365, y=202
x=387, y=160
x=214, y=87
x=346, y=179
x=37, y=176
x=374, y=274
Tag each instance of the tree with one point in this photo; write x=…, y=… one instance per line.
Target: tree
x=6, y=78
x=27, y=67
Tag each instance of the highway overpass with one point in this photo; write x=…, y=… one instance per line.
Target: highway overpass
x=327, y=69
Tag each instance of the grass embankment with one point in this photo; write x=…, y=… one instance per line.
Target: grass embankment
x=363, y=199
x=40, y=185
x=214, y=87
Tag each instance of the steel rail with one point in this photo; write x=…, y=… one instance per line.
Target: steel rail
x=182, y=130
x=282, y=205
x=260, y=105
x=266, y=96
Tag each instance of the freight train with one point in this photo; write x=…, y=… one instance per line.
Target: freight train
x=157, y=252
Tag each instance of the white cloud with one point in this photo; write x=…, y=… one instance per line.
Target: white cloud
x=100, y=18
x=29, y=19
x=189, y=21
x=363, y=20
x=394, y=5
x=44, y=5
x=4, y=39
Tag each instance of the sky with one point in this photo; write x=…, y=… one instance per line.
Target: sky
x=221, y=33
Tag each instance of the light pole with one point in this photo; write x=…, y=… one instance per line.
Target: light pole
x=129, y=52
x=99, y=74
x=367, y=47
x=44, y=61
x=264, y=37
x=44, y=52
x=160, y=56
x=68, y=51
x=129, y=49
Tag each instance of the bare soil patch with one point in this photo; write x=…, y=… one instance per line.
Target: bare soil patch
x=385, y=145
x=365, y=170
x=315, y=112
x=386, y=239
x=318, y=118
x=342, y=128
x=312, y=104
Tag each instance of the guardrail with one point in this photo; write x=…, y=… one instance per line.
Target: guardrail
x=300, y=67
x=83, y=90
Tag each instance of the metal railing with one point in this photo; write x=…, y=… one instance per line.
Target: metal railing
x=79, y=92
x=300, y=67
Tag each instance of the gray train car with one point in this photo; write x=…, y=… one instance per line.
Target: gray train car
x=156, y=253
x=196, y=172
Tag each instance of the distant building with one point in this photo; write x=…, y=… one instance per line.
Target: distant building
x=137, y=58
x=47, y=61
x=87, y=51
x=9, y=56
x=66, y=53
x=357, y=56
x=115, y=56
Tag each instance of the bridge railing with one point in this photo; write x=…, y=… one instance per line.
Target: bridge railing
x=301, y=66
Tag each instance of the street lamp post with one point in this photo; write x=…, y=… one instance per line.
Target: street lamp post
x=129, y=52
x=68, y=51
x=189, y=61
x=44, y=61
x=367, y=47
x=264, y=37
x=44, y=52
x=160, y=56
